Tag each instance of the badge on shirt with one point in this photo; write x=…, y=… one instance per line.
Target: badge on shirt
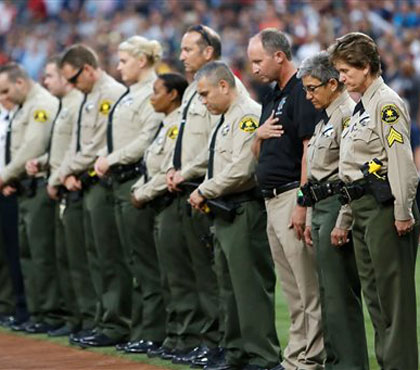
x=173, y=132
x=225, y=130
x=345, y=122
x=390, y=114
x=64, y=113
x=248, y=124
x=279, y=110
x=88, y=107
x=105, y=107
x=394, y=136
x=40, y=115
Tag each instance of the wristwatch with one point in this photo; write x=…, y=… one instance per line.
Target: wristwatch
x=300, y=198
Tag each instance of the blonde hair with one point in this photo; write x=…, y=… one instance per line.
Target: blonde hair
x=139, y=45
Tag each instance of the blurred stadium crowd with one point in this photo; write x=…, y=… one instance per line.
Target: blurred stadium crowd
x=33, y=30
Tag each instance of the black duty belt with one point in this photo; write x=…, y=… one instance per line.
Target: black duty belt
x=90, y=178
x=273, y=192
x=28, y=186
x=190, y=186
x=354, y=191
x=73, y=196
x=314, y=192
x=125, y=172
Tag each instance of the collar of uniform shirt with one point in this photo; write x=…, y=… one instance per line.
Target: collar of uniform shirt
x=98, y=84
x=146, y=81
x=371, y=90
x=337, y=102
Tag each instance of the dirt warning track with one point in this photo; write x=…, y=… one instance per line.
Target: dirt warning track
x=24, y=353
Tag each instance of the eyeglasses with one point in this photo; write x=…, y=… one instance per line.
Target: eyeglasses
x=74, y=78
x=311, y=89
x=200, y=29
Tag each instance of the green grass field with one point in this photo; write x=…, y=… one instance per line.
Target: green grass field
x=282, y=322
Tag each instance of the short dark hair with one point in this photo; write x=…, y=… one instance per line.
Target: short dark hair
x=55, y=59
x=209, y=37
x=358, y=50
x=274, y=40
x=174, y=81
x=216, y=71
x=14, y=71
x=78, y=55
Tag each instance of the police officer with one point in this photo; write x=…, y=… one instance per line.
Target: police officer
x=11, y=284
x=131, y=128
x=71, y=257
x=109, y=272
x=376, y=164
x=242, y=250
x=191, y=278
x=281, y=169
x=151, y=190
x=28, y=138
x=340, y=289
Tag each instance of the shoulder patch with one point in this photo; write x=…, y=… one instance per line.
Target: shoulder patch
x=40, y=115
x=105, y=107
x=248, y=124
x=394, y=136
x=173, y=132
x=345, y=122
x=390, y=114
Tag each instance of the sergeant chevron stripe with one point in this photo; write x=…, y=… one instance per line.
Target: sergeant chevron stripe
x=393, y=136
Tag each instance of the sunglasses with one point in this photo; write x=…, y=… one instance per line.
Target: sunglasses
x=200, y=29
x=74, y=78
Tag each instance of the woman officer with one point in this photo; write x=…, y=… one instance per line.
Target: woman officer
x=376, y=164
x=131, y=127
x=338, y=279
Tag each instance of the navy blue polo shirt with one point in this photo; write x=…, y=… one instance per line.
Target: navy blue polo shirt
x=280, y=158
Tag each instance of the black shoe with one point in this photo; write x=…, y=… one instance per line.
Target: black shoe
x=40, y=328
x=195, y=353
x=5, y=320
x=74, y=338
x=98, y=340
x=169, y=355
x=213, y=357
x=256, y=367
x=179, y=357
x=21, y=326
x=220, y=366
x=142, y=346
x=121, y=346
x=158, y=352
x=62, y=331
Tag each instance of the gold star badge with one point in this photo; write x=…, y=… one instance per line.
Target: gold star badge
x=40, y=115
x=390, y=114
x=248, y=124
x=105, y=107
x=173, y=132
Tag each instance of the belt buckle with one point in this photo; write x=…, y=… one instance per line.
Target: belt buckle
x=275, y=192
x=346, y=192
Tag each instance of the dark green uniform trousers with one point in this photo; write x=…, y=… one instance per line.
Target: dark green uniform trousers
x=106, y=262
x=163, y=252
x=386, y=265
x=72, y=314
x=136, y=230
x=38, y=260
x=247, y=287
x=191, y=278
x=340, y=292
x=80, y=277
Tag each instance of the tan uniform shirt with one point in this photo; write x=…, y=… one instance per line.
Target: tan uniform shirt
x=234, y=164
x=382, y=132
x=61, y=135
x=156, y=157
x=197, y=130
x=93, y=125
x=324, y=149
x=134, y=123
x=30, y=132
